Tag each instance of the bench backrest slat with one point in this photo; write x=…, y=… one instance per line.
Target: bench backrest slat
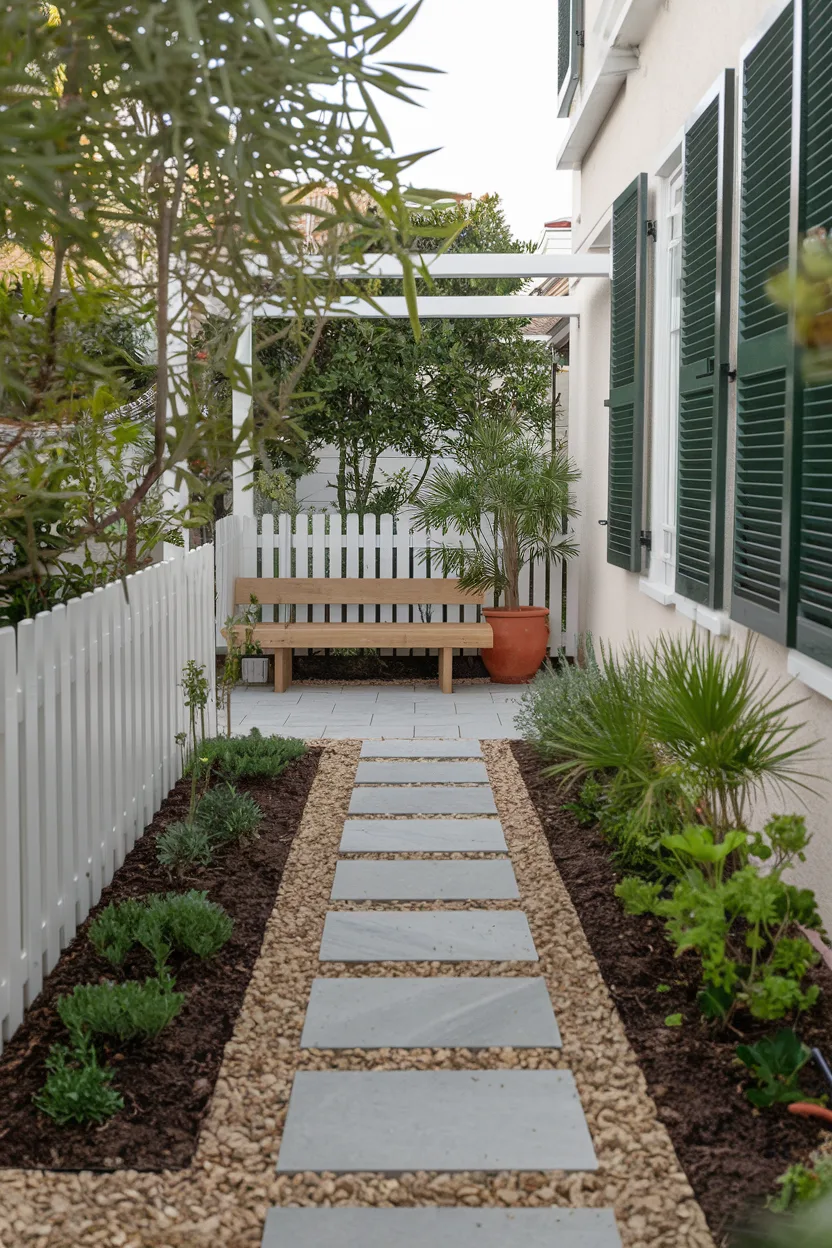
x=297, y=591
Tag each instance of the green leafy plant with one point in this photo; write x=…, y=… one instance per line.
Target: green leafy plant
x=589, y=803
x=120, y=1010
x=740, y=923
x=77, y=1088
x=184, y=844
x=251, y=757
x=160, y=923
x=226, y=815
x=506, y=473
x=775, y=1063
x=802, y=1184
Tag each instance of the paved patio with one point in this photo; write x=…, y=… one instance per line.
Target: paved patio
x=483, y=710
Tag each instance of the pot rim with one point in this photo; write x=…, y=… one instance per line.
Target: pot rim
x=515, y=612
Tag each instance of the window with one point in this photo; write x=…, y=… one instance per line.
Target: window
x=667, y=331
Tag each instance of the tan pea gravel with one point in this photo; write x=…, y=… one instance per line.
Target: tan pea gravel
x=222, y=1199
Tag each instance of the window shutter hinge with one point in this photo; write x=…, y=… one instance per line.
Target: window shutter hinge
x=652, y=230
x=580, y=37
x=730, y=373
x=646, y=539
x=604, y=522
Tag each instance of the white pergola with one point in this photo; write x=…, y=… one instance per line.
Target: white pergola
x=520, y=266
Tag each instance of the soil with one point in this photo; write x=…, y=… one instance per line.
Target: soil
x=731, y=1153
x=380, y=667
x=166, y=1083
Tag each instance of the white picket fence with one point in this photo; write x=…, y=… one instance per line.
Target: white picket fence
x=90, y=705
x=327, y=545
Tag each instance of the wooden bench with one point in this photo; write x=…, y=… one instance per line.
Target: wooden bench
x=324, y=591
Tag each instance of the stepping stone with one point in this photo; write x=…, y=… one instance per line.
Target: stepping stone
x=424, y=800
x=416, y=1013
x=450, y=748
x=423, y=836
x=392, y=1121
x=424, y=881
x=427, y=936
x=350, y=1227
x=404, y=772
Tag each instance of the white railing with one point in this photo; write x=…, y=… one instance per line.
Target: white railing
x=90, y=705
x=329, y=545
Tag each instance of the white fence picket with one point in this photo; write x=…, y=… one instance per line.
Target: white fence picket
x=385, y=546
x=90, y=704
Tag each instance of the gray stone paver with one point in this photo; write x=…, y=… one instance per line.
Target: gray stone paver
x=423, y=800
x=413, y=1013
x=349, y=1227
x=426, y=836
x=437, y=748
x=427, y=936
x=465, y=880
x=405, y=772
x=393, y=1121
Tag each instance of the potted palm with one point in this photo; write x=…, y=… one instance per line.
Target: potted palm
x=509, y=495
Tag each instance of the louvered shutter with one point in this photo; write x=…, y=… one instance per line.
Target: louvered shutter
x=764, y=356
x=708, y=157
x=570, y=51
x=628, y=323
x=814, y=452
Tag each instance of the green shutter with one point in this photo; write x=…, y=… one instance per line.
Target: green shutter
x=704, y=351
x=814, y=453
x=570, y=51
x=628, y=317
x=764, y=355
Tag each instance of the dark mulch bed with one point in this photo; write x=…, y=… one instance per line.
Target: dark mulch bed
x=731, y=1153
x=166, y=1083
x=381, y=667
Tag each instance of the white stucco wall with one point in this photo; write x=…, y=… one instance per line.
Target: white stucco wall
x=688, y=46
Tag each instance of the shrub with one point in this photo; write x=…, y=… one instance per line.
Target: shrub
x=738, y=921
x=121, y=1010
x=77, y=1089
x=160, y=923
x=775, y=1062
x=183, y=844
x=251, y=757
x=225, y=816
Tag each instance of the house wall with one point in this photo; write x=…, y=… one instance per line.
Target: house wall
x=689, y=44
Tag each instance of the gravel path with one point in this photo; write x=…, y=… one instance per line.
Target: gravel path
x=223, y=1197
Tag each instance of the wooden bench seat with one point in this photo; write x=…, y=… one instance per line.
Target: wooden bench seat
x=370, y=634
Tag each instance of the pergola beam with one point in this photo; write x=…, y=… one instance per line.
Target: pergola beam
x=480, y=307
x=461, y=264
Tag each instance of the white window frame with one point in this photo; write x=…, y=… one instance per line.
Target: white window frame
x=661, y=578
x=660, y=583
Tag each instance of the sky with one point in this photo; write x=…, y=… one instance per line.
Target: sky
x=493, y=111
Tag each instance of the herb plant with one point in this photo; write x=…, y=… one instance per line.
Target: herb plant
x=251, y=757
x=77, y=1088
x=124, y=1011
x=802, y=1184
x=160, y=923
x=225, y=816
x=184, y=844
x=775, y=1062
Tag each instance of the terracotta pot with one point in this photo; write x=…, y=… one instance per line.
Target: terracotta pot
x=521, y=639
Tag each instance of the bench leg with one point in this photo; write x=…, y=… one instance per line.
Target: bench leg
x=282, y=669
x=446, y=661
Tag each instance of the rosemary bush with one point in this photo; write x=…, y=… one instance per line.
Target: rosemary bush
x=77, y=1088
x=248, y=758
x=124, y=1011
x=160, y=923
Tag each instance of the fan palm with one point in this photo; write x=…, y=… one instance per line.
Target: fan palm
x=510, y=497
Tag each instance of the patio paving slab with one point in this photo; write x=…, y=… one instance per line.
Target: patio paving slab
x=357, y=880
x=422, y=749
x=427, y=936
x=405, y=772
x=394, y=1121
x=349, y=1227
x=424, y=800
x=414, y=1013
x=423, y=836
